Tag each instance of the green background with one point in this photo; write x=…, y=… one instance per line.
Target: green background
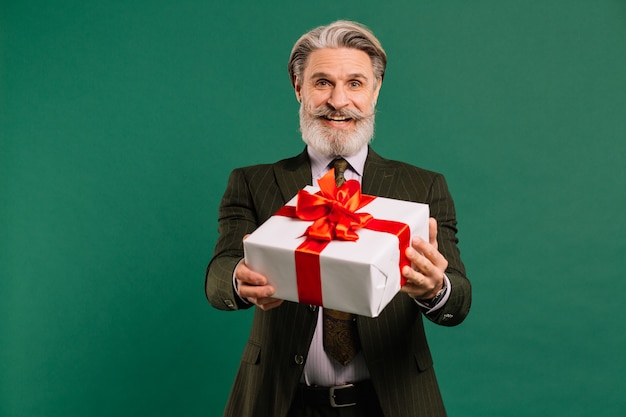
x=120, y=121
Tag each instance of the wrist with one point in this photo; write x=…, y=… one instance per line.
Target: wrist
x=431, y=302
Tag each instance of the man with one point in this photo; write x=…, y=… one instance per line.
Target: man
x=286, y=369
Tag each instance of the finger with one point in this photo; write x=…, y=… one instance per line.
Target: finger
x=425, y=292
x=417, y=255
x=432, y=232
x=414, y=278
x=255, y=291
x=426, y=254
x=421, y=285
x=422, y=280
x=265, y=303
x=248, y=276
x=268, y=303
x=414, y=291
x=417, y=262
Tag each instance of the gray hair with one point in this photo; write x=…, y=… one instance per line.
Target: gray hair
x=339, y=34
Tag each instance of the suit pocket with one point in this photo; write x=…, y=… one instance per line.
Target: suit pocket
x=424, y=360
x=251, y=354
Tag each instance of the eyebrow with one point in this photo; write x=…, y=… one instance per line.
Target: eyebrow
x=350, y=76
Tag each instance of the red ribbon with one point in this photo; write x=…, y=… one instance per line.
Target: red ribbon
x=333, y=212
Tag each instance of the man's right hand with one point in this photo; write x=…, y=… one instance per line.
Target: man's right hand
x=255, y=288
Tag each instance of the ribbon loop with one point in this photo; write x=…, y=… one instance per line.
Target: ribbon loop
x=333, y=210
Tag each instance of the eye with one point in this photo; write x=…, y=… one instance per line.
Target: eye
x=322, y=83
x=355, y=84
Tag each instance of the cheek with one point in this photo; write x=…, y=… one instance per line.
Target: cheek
x=315, y=99
x=364, y=101
x=366, y=105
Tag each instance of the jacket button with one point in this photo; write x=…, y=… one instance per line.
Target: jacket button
x=229, y=304
x=299, y=359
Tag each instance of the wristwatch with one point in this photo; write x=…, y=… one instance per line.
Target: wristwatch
x=433, y=301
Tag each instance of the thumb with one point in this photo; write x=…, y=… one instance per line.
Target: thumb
x=432, y=231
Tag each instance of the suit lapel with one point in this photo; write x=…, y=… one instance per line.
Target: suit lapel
x=378, y=176
x=292, y=175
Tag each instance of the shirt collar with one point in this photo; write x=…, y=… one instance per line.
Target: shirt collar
x=320, y=164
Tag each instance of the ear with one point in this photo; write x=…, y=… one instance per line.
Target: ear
x=379, y=84
x=297, y=88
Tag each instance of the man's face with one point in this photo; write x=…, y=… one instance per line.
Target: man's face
x=338, y=94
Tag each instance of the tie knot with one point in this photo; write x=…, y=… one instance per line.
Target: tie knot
x=340, y=166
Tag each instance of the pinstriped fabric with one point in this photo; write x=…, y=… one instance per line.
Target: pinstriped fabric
x=274, y=355
x=394, y=344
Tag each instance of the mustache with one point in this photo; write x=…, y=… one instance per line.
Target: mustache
x=330, y=112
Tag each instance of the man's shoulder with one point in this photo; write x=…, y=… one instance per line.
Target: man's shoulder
x=377, y=160
x=290, y=163
x=284, y=177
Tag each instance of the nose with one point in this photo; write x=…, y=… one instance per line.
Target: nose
x=338, y=98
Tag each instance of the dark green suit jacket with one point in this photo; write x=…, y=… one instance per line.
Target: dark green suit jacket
x=394, y=343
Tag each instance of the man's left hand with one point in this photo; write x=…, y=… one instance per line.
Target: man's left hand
x=425, y=275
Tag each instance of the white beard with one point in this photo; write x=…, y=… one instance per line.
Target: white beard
x=334, y=142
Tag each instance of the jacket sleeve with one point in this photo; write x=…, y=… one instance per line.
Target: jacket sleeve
x=236, y=218
x=442, y=209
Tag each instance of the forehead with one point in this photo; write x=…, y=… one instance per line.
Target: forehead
x=339, y=62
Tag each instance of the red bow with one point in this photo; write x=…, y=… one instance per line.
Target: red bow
x=332, y=210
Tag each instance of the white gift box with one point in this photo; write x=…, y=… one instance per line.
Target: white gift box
x=359, y=277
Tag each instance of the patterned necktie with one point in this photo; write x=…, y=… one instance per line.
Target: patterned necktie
x=341, y=337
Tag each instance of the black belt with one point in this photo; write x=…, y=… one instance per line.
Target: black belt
x=340, y=396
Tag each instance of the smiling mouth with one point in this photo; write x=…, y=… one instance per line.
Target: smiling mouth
x=337, y=118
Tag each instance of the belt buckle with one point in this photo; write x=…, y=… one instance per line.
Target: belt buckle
x=332, y=396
